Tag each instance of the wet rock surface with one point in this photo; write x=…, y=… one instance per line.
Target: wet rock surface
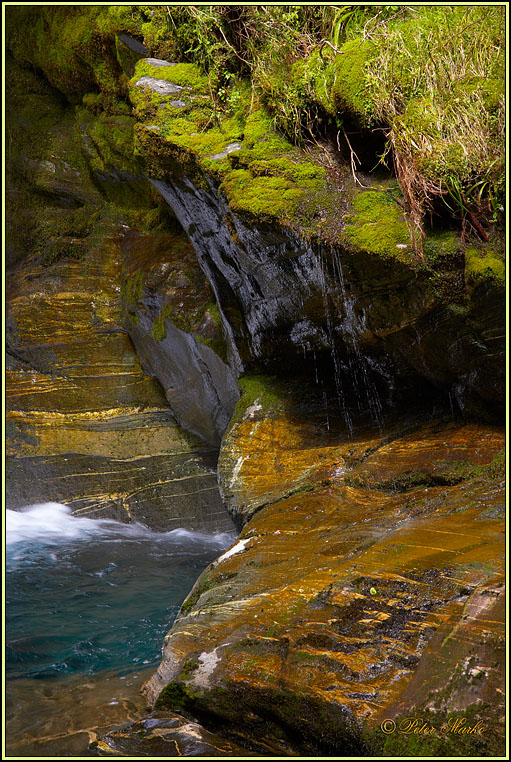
x=163, y=734
x=71, y=714
x=86, y=425
x=174, y=324
x=372, y=591
x=376, y=324
x=351, y=297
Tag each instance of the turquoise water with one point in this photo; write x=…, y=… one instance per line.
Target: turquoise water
x=88, y=595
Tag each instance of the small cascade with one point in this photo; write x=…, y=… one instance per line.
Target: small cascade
x=333, y=350
x=350, y=327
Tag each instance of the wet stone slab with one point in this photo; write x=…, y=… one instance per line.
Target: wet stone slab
x=163, y=734
x=368, y=582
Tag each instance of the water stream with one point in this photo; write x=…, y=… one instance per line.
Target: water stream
x=88, y=601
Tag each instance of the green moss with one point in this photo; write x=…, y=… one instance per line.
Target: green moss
x=495, y=470
x=75, y=223
x=69, y=46
x=345, y=86
x=186, y=75
x=453, y=473
x=185, y=319
x=188, y=668
x=394, y=70
x=484, y=265
x=265, y=390
x=441, y=249
x=261, y=197
x=63, y=249
x=205, y=582
x=214, y=313
x=131, y=288
x=113, y=140
x=159, y=329
x=376, y=225
x=267, y=179
x=218, y=345
x=108, y=141
x=174, y=696
x=260, y=390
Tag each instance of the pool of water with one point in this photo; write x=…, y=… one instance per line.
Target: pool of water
x=88, y=598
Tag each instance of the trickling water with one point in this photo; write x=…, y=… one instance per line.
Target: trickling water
x=333, y=350
x=92, y=597
x=351, y=327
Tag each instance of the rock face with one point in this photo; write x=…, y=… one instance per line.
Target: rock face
x=174, y=324
x=352, y=299
x=86, y=425
x=368, y=320
x=367, y=583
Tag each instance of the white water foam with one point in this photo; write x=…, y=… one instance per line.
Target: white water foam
x=53, y=524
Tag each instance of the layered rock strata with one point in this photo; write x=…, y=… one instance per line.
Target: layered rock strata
x=367, y=583
x=86, y=425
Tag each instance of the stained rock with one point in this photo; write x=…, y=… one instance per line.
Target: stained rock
x=370, y=588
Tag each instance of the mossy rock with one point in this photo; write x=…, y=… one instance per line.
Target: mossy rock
x=484, y=264
x=377, y=225
x=345, y=87
x=266, y=179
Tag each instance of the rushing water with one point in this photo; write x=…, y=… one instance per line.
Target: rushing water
x=86, y=598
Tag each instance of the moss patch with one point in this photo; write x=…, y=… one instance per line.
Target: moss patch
x=266, y=179
x=261, y=391
x=377, y=226
x=484, y=265
x=131, y=288
x=175, y=695
x=159, y=329
x=185, y=75
x=344, y=86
